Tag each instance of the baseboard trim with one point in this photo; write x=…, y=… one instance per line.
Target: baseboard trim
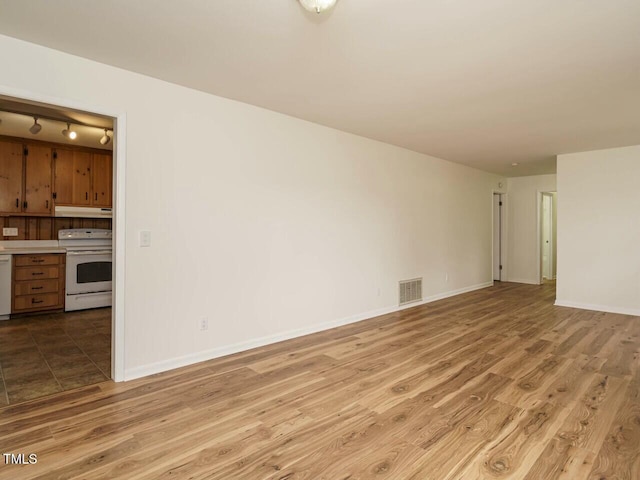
x=597, y=308
x=183, y=361
x=522, y=280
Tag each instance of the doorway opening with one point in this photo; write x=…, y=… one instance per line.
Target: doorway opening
x=548, y=237
x=59, y=176
x=498, y=236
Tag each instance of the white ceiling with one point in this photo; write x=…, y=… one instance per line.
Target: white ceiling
x=483, y=83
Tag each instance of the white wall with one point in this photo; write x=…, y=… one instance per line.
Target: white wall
x=522, y=226
x=599, y=230
x=268, y=225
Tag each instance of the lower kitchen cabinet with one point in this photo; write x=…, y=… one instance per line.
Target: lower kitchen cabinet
x=38, y=282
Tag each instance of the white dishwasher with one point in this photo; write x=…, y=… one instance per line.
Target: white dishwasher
x=5, y=286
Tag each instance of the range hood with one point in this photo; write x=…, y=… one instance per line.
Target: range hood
x=83, y=212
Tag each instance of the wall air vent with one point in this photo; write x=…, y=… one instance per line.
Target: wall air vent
x=410, y=291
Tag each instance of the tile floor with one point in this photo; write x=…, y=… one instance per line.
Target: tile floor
x=44, y=354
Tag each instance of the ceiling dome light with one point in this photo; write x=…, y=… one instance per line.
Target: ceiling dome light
x=36, y=127
x=317, y=6
x=105, y=138
x=68, y=133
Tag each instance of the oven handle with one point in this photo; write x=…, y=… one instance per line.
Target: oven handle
x=90, y=252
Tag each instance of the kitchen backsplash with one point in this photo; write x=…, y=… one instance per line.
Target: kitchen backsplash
x=46, y=228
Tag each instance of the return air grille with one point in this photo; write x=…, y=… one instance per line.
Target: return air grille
x=410, y=291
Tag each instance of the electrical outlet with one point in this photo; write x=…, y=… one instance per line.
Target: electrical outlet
x=145, y=238
x=10, y=232
x=446, y=277
x=204, y=324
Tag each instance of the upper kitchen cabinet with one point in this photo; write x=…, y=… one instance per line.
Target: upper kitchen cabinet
x=25, y=179
x=83, y=179
x=37, y=177
x=102, y=179
x=72, y=177
x=11, y=160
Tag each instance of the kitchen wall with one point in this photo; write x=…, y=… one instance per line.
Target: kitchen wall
x=522, y=225
x=266, y=225
x=46, y=228
x=599, y=230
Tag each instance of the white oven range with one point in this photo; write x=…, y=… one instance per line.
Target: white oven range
x=89, y=268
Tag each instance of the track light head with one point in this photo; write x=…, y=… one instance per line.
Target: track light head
x=36, y=127
x=68, y=133
x=105, y=138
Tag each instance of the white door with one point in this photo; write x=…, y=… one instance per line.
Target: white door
x=547, y=234
x=497, y=236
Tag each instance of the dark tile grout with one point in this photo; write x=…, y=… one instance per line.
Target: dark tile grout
x=65, y=326
x=108, y=377
x=45, y=359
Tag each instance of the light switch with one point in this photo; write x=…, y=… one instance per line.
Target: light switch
x=9, y=232
x=145, y=238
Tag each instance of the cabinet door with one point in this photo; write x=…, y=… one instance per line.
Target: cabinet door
x=102, y=179
x=72, y=178
x=37, y=175
x=10, y=177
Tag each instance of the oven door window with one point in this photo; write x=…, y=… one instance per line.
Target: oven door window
x=93, y=272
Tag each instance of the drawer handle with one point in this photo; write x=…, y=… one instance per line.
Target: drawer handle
x=37, y=288
x=37, y=260
x=33, y=300
x=37, y=273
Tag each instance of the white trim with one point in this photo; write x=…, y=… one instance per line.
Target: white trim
x=177, y=362
x=117, y=337
x=598, y=308
x=119, y=249
x=539, y=194
x=528, y=281
x=504, y=252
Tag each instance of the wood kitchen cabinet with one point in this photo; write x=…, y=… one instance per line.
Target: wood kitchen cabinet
x=25, y=179
x=37, y=180
x=72, y=177
x=102, y=176
x=11, y=160
x=82, y=179
x=38, y=283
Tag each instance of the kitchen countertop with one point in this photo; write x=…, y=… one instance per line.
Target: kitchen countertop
x=19, y=247
x=31, y=250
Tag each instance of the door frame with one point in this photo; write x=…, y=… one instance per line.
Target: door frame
x=539, y=196
x=118, y=220
x=503, y=234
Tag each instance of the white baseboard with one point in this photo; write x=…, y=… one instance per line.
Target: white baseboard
x=183, y=361
x=597, y=308
x=523, y=280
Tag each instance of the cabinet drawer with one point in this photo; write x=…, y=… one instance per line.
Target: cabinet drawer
x=28, y=260
x=37, y=287
x=36, y=273
x=33, y=302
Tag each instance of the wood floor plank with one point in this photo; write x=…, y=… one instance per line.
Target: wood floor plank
x=493, y=384
x=618, y=457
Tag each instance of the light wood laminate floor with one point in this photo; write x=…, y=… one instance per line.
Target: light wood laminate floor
x=493, y=384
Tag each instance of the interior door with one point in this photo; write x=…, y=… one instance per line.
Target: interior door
x=497, y=236
x=546, y=236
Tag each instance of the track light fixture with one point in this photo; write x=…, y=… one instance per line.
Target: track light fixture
x=68, y=133
x=105, y=138
x=36, y=127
